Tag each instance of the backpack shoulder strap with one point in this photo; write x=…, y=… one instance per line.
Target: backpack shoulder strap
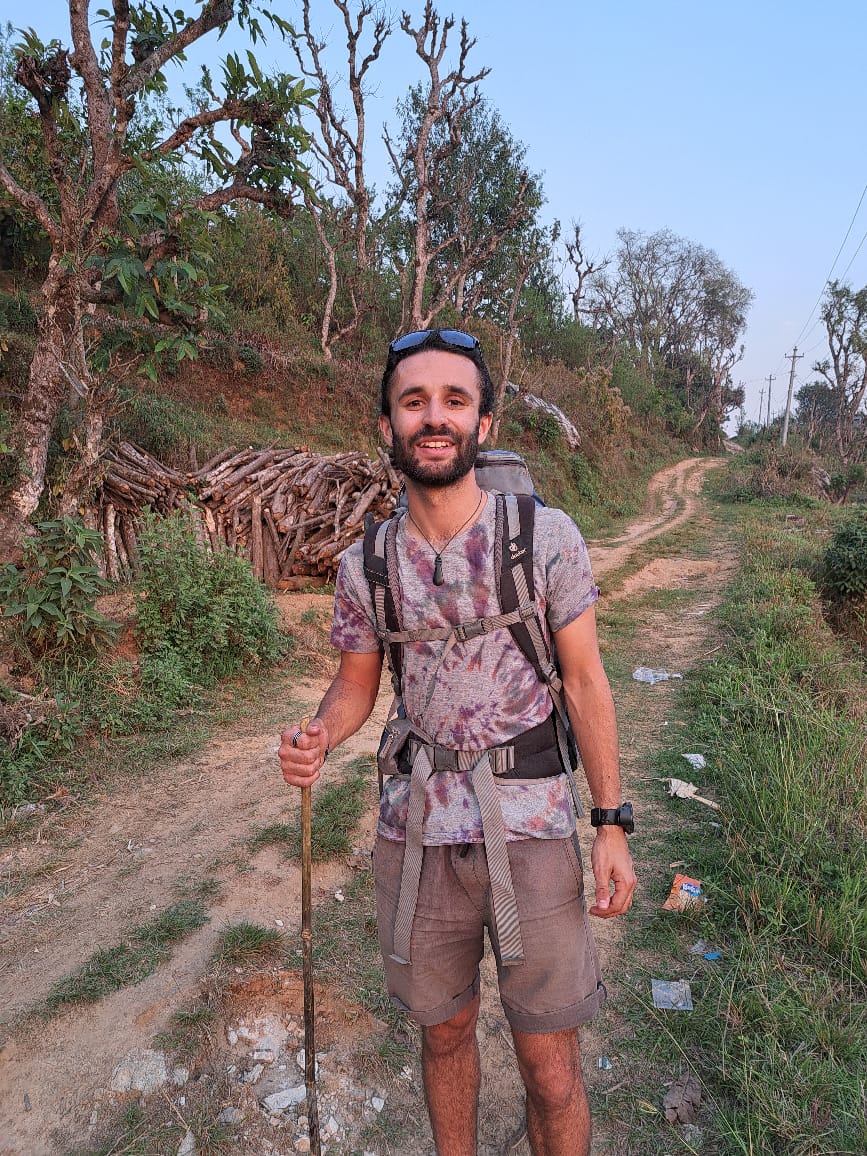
x=380, y=570
x=513, y=536
x=515, y=522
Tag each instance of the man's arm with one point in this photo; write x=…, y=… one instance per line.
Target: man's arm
x=346, y=706
x=591, y=712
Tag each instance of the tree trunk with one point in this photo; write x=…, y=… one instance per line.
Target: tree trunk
x=59, y=343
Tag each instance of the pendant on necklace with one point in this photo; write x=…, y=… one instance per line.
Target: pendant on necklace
x=438, y=571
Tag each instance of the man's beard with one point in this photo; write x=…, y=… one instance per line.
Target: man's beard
x=436, y=474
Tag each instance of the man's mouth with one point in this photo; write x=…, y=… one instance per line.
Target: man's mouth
x=434, y=444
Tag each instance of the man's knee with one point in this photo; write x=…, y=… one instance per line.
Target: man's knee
x=551, y=1069
x=442, y=1039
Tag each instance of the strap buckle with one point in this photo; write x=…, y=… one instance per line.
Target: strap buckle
x=464, y=631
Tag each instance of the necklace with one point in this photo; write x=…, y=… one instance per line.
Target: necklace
x=438, y=578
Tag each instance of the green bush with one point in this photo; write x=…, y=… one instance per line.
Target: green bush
x=49, y=604
x=203, y=614
x=844, y=566
x=16, y=312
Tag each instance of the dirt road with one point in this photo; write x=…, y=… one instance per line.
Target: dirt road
x=74, y=879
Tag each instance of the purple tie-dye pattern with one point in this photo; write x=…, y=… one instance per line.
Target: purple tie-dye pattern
x=485, y=691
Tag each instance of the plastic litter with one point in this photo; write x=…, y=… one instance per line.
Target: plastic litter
x=672, y=994
x=681, y=789
x=712, y=956
x=604, y=1064
x=684, y=893
x=698, y=948
x=699, y=762
x=648, y=674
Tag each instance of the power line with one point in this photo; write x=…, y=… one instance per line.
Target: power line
x=834, y=262
x=854, y=255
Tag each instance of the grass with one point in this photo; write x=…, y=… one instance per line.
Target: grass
x=337, y=807
x=248, y=942
x=183, y=1038
x=778, y=1035
x=144, y=948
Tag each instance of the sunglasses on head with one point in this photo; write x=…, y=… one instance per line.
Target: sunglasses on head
x=463, y=342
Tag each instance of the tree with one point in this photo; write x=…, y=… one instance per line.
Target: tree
x=339, y=148
x=110, y=260
x=681, y=312
x=449, y=236
x=844, y=314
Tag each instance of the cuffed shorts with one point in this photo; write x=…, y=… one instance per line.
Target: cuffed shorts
x=555, y=988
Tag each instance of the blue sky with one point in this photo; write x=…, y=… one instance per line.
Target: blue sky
x=739, y=126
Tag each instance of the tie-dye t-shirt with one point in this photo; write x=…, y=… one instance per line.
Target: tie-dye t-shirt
x=485, y=692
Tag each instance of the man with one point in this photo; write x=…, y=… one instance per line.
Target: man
x=470, y=698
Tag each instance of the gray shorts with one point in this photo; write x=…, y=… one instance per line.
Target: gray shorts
x=555, y=988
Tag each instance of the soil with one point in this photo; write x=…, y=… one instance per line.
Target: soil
x=75, y=877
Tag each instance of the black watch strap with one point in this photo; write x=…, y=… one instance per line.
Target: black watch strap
x=621, y=816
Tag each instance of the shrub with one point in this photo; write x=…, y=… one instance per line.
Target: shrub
x=844, y=566
x=50, y=603
x=16, y=313
x=205, y=609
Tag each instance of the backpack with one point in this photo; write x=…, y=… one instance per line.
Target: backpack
x=506, y=474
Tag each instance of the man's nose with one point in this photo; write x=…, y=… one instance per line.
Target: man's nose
x=436, y=413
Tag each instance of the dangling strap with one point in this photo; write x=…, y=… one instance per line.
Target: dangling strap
x=413, y=853
x=506, y=919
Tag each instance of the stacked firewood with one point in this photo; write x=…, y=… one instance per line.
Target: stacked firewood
x=290, y=511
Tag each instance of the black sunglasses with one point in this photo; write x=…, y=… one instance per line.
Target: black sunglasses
x=464, y=342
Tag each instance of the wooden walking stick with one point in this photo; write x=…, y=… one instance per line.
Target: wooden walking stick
x=307, y=968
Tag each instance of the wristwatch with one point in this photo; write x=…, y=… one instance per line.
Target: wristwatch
x=613, y=817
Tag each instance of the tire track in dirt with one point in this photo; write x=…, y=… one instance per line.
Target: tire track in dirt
x=80, y=877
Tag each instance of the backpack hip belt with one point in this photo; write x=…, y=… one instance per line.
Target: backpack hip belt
x=513, y=569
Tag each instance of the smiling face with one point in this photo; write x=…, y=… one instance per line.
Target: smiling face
x=435, y=427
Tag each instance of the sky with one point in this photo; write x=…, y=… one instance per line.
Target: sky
x=739, y=126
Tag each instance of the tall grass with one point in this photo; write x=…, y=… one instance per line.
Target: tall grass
x=781, y=1027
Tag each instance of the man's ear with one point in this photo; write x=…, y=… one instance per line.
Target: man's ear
x=485, y=423
x=385, y=429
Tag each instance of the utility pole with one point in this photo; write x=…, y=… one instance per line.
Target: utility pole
x=770, y=379
x=785, y=434
x=761, y=403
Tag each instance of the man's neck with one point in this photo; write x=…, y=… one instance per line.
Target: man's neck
x=438, y=511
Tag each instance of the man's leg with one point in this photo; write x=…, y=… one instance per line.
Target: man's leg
x=558, y=1116
x=451, y=1074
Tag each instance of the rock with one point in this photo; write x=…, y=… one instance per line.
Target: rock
x=377, y=1103
x=264, y=1054
x=280, y=1101
x=180, y=1076
x=230, y=1116
x=253, y=1075
x=302, y=1144
x=331, y=1128
x=188, y=1144
x=141, y=1071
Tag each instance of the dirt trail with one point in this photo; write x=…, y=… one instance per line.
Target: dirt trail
x=76, y=879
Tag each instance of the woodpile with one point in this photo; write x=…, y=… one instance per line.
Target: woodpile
x=290, y=511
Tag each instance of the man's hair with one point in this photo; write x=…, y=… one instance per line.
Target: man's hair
x=435, y=341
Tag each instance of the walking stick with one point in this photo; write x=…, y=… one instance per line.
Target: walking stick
x=307, y=968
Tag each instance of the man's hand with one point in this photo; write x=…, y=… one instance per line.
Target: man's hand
x=302, y=753
x=612, y=863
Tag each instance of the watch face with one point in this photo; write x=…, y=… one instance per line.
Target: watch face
x=626, y=819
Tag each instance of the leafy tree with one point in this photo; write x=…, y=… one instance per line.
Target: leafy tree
x=110, y=261
x=844, y=313
x=681, y=312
